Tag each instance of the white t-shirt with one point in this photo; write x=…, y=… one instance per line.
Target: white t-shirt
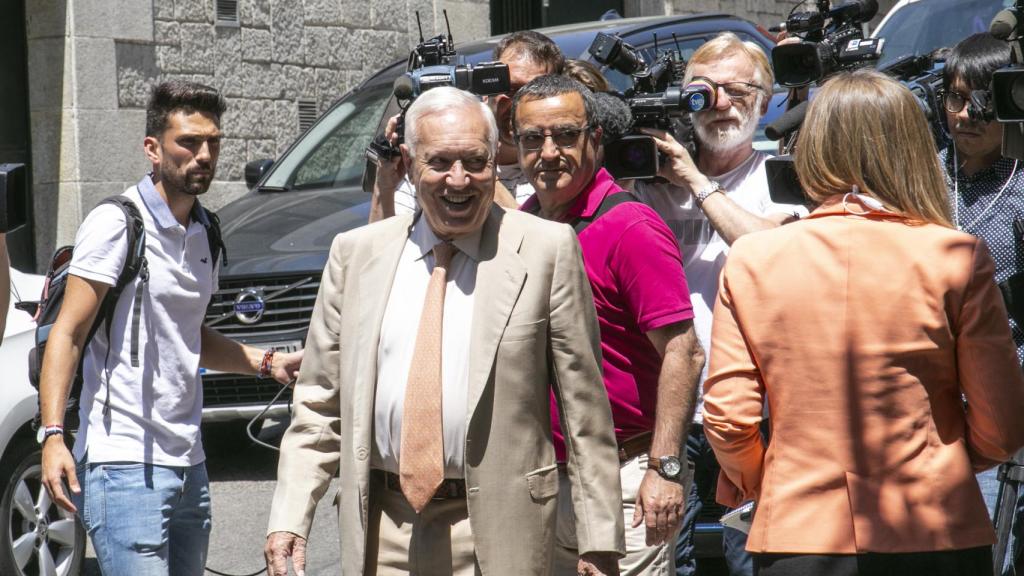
x=510, y=175
x=155, y=408
x=703, y=249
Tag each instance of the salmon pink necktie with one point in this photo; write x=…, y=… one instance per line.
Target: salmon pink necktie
x=421, y=464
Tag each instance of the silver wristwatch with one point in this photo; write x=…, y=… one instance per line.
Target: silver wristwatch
x=702, y=194
x=669, y=467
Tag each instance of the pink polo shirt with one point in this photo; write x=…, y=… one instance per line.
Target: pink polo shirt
x=636, y=274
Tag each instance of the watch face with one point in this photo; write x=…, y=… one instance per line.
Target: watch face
x=671, y=466
x=40, y=435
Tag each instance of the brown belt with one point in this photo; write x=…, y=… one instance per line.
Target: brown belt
x=634, y=446
x=449, y=488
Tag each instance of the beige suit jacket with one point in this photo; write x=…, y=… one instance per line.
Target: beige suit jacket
x=534, y=328
x=864, y=336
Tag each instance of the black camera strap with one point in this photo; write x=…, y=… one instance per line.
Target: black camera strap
x=579, y=224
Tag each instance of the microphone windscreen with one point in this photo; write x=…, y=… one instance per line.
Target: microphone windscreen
x=613, y=116
x=404, y=89
x=1003, y=24
x=786, y=123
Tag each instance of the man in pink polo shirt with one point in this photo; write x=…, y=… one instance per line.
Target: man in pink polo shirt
x=651, y=357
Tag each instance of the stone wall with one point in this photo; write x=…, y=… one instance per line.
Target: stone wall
x=93, y=62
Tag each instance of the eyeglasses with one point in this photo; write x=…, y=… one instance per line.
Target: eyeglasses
x=563, y=138
x=735, y=91
x=978, y=103
x=955, y=102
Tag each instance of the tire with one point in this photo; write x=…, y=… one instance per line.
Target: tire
x=37, y=538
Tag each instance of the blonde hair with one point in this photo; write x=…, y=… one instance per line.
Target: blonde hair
x=725, y=45
x=586, y=73
x=865, y=129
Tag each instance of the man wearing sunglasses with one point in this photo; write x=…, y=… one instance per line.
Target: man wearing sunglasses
x=708, y=202
x=986, y=189
x=650, y=356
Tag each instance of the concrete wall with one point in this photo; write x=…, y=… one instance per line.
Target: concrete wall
x=93, y=62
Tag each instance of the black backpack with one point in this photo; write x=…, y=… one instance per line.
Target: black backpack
x=135, y=265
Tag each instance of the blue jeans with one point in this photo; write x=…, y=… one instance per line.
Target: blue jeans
x=705, y=481
x=144, y=519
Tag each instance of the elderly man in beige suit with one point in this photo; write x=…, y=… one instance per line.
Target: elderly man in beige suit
x=435, y=343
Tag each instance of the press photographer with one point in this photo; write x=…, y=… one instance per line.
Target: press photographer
x=657, y=99
x=986, y=189
x=710, y=202
x=526, y=55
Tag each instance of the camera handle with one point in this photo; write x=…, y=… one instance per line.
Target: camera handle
x=1011, y=477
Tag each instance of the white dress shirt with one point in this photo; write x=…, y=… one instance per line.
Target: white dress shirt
x=398, y=341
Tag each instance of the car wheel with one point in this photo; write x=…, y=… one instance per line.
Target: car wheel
x=37, y=537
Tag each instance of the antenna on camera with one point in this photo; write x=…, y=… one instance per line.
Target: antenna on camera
x=655, y=44
x=676, y=40
x=419, y=25
x=448, y=26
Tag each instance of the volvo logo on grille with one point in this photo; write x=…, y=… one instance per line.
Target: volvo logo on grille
x=249, y=306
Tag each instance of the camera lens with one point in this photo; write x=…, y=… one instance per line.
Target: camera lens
x=1017, y=92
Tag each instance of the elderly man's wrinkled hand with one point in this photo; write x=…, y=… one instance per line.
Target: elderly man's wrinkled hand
x=281, y=546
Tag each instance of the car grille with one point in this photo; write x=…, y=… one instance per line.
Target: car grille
x=288, y=305
x=232, y=390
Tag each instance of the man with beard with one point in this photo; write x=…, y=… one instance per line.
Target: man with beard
x=528, y=55
x=708, y=203
x=140, y=483
x=650, y=356
x=986, y=190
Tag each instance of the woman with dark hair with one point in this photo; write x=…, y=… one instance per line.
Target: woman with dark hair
x=864, y=328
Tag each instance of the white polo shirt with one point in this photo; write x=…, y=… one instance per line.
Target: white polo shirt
x=155, y=408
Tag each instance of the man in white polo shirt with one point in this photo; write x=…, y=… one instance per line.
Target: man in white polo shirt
x=140, y=483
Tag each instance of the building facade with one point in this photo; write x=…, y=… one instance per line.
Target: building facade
x=88, y=66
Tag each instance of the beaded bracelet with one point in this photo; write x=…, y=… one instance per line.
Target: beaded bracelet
x=266, y=364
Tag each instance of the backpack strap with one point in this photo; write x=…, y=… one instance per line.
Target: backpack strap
x=610, y=201
x=211, y=222
x=135, y=265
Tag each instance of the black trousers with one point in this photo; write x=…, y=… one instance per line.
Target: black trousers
x=967, y=562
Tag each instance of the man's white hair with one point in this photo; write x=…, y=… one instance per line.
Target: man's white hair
x=444, y=99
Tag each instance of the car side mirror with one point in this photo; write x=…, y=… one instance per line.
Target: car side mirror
x=255, y=170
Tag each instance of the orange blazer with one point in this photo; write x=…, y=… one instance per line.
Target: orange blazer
x=883, y=352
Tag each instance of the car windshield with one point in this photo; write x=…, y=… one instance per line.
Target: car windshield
x=331, y=155
x=920, y=27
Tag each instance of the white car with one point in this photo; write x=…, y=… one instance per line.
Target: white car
x=37, y=538
x=916, y=27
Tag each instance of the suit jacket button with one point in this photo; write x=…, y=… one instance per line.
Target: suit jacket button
x=361, y=453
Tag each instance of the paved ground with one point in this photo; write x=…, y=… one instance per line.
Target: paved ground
x=242, y=485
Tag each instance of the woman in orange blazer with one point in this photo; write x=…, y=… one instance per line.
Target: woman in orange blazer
x=876, y=336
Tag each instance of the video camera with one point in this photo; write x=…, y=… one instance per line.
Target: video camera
x=655, y=101
x=833, y=40
x=922, y=75
x=1007, y=87
x=433, y=63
